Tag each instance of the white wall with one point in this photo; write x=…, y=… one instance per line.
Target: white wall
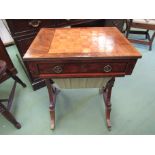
x=4, y=33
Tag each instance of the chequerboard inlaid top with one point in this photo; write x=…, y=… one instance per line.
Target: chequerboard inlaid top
x=80, y=42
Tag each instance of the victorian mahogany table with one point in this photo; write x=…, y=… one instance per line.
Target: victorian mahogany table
x=81, y=53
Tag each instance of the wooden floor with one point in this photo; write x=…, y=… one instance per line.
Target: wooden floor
x=82, y=111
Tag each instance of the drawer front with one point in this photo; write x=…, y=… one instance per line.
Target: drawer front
x=77, y=68
x=20, y=26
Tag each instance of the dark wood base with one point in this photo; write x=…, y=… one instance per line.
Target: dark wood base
x=106, y=91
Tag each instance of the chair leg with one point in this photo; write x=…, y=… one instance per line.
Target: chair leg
x=150, y=47
x=147, y=34
x=127, y=33
x=151, y=41
x=11, y=96
x=4, y=111
x=16, y=78
x=127, y=30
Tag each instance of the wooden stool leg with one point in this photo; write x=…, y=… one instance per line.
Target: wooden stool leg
x=107, y=97
x=9, y=116
x=16, y=78
x=52, y=97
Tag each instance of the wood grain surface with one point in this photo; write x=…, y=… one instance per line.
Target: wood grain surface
x=98, y=42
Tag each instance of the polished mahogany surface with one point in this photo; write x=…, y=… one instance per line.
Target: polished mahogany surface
x=94, y=42
x=81, y=53
x=24, y=31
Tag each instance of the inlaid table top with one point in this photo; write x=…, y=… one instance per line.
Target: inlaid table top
x=81, y=54
x=85, y=42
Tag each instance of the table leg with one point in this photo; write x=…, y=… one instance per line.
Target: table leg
x=7, y=114
x=52, y=96
x=106, y=91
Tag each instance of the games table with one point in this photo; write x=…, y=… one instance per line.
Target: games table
x=81, y=57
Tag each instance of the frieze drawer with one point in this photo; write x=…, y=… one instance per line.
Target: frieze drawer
x=81, y=68
x=56, y=69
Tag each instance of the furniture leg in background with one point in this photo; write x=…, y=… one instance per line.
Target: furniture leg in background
x=143, y=24
x=151, y=40
x=7, y=114
x=5, y=110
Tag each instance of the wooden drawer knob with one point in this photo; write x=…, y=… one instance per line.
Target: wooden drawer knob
x=107, y=68
x=57, y=69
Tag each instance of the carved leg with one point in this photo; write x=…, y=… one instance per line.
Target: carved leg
x=16, y=78
x=9, y=116
x=52, y=97
x=107, y=96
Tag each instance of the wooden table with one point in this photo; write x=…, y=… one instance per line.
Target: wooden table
x=81, y=53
